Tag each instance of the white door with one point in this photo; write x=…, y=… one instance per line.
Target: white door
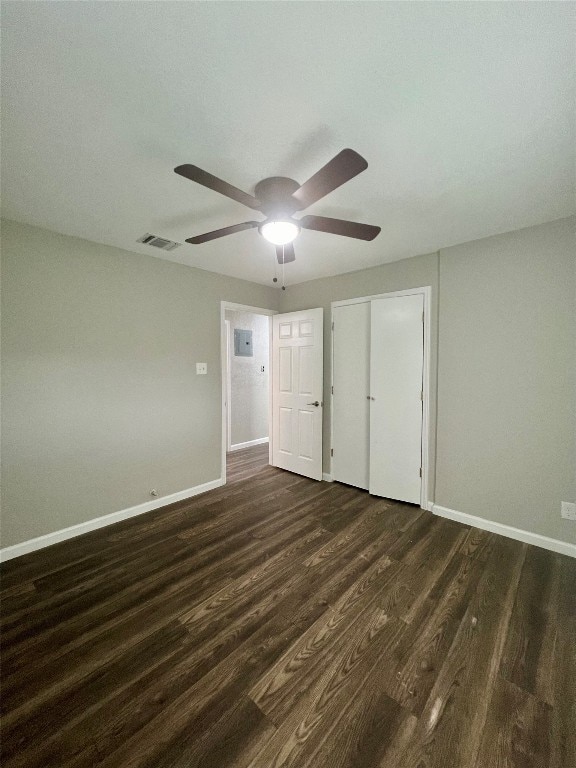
x=351, y=387
x=396, y=361
x=297, y=380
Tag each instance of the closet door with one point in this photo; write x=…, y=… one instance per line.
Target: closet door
x=350, y=404
x=396, y=361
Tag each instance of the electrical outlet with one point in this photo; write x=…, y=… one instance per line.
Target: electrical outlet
x=201, y=368
x=568, y=510
x=153, y=492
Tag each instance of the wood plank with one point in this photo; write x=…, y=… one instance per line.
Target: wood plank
x=135, y=738
x=144, y=579
x=230, y=742
x=532, y=637
x=517, y=731
x=321, y=713
x=563, y=669
x=29, y=685
x=281, y=621
x=478, y=544
x=428, y=640
x=452, y=722
x=51, y=735
x=281, y=687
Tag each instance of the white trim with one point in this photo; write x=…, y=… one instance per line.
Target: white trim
x=364, y=299
x=556, y=545
x=248, y=443
x=228, y=403
x=426, y=292
x=327, y=478
x=100, y=522
x=247, y=308
x=224, y=305
x=270, y=393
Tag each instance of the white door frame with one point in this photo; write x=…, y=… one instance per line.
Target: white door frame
x=426, y=292
x=228, y=389
x=224, y=305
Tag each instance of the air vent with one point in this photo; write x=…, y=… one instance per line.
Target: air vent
x=158, y=242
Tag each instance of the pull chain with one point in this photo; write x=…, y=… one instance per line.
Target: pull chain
x=275, y=278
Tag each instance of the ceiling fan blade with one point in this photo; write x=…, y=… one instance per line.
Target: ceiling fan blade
x=285, y=253
x=340, y=169
x=221, y=232
x=206, y=179
x=340, y=227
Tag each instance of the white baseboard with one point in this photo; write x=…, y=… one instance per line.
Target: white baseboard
x=556, y=545
x=248, y=444
x=326, y=477
x=100, y=522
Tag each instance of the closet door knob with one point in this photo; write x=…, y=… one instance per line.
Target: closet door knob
x=370, y=398
x=316, y=403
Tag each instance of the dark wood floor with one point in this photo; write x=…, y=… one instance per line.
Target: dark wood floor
x=284, y=622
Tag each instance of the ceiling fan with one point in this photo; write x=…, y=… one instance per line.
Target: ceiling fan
x=279, y=198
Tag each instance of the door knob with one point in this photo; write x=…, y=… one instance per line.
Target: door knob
x=370, y=398
x=316, y=403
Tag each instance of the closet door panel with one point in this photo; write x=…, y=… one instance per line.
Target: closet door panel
x=396, y=360
x=350, y=404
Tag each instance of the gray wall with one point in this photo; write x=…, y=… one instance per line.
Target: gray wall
x=506, y=387
x=249, y=385
x=101, y=401
x=397, y=276
x=503, y=351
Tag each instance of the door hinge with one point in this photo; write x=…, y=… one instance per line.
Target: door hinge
x=331, y=451
x=422, y=394
x=422, y=318
x=420, y=471
x=332, y=326
x=332, y=388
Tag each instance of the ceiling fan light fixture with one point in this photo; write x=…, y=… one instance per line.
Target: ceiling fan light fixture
x=280, y=232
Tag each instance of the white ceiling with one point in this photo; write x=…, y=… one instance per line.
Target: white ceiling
x=464, y=112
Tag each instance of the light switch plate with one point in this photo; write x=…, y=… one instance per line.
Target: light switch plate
x=568, y=510
x=201, y=368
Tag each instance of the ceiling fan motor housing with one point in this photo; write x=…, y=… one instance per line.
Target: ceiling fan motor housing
x=275, y=196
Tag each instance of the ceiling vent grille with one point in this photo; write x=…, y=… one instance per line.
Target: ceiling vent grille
x=158, y=242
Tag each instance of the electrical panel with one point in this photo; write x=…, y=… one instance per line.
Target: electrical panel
x=243, y=343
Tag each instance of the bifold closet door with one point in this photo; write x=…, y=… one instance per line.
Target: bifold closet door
x=350, y=404
x=396, y=361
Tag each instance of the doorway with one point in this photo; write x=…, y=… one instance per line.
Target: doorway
x=245, y=353
x=290, y=373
